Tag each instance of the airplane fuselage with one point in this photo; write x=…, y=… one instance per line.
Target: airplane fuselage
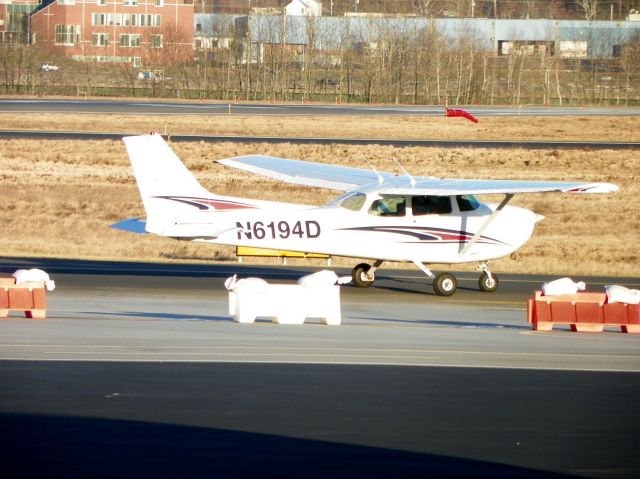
x=338, y=231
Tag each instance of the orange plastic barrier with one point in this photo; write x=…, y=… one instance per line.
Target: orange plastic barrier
x=583, y=312
x=28, y=297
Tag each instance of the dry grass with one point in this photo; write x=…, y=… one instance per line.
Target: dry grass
x=59, y=197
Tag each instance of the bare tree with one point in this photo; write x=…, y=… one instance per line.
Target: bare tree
x=590, y=8
x=630, y=62
x=19, y=67
x=425, y=8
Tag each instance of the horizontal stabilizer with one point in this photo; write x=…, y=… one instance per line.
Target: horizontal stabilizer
x=131, y=225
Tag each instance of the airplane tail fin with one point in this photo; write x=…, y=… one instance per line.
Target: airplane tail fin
x=167, y=188
x=175, y=203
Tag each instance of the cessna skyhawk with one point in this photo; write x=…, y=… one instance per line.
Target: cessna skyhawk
x=381, y=216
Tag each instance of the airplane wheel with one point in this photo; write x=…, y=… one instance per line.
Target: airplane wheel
x=361, y=276
x=488, y=284
x=445, y=284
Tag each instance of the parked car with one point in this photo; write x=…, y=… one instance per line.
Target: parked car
x=48, y=67
x=156, y=76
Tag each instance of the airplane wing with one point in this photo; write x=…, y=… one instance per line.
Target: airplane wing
x=446, y=187
x=305, y=173
x=345, y=178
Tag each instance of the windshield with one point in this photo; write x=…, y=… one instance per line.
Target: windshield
x=353, y=202
x=467, y=202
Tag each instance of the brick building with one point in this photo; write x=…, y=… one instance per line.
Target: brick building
x=14, y=20
x=138, y=32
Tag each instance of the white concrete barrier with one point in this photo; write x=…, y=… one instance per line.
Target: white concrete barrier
x=251, y=298
x=34, y=275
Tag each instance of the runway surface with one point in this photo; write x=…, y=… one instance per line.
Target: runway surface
x=139, y=370
x=399, y=321
x=222, y=108
x=73, y=135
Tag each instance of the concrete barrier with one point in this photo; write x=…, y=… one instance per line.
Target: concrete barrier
x=29, y=298
x=284, y=303
x=583, y=312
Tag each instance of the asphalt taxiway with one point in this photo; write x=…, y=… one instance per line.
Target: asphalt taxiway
x=152, y=107
x=139, y=370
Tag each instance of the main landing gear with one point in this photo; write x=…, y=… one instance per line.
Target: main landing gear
x=444, y=284
x=363, y=274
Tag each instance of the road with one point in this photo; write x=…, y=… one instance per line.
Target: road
x=139, y=370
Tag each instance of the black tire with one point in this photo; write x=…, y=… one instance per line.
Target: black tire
x=488, y=284
x=445, y=284
x=359, y=276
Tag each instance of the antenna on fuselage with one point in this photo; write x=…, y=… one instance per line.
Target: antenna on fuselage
x=411, y=178
x=380, y=178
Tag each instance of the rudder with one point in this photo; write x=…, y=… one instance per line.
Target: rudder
x=163, y=180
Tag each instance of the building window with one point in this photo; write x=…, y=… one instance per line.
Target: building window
x=130, y=3
x=114, y=19
x=98, y=19
x=130, y=40
x=66, y=2
x=16, y=19
x=101, y=2
x=617, y=51
x=100, y=39
x=136, y=62
x=156, y=41
x=153, y=20
x=67, y=34
x=159, y=3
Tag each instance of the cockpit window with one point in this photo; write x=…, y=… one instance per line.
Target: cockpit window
x=388, y=206
x=354, y=202
x=430, y=205
x=467, y=202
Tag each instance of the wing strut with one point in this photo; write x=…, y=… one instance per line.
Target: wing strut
x=380, y=178
x=486, y=224
x=412, y=180
x=423, y=268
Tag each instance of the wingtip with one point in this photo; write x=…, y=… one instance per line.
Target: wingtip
x=600, y=188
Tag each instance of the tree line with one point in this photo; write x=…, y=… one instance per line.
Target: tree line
x=556, y=9
x=401, y=66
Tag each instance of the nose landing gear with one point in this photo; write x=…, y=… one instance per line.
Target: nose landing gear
x=488, y=282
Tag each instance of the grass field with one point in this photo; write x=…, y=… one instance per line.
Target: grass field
x=59, y=197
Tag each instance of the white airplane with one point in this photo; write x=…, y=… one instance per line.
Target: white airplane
x=381, y=216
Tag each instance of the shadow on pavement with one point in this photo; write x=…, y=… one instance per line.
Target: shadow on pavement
x=78, y=447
